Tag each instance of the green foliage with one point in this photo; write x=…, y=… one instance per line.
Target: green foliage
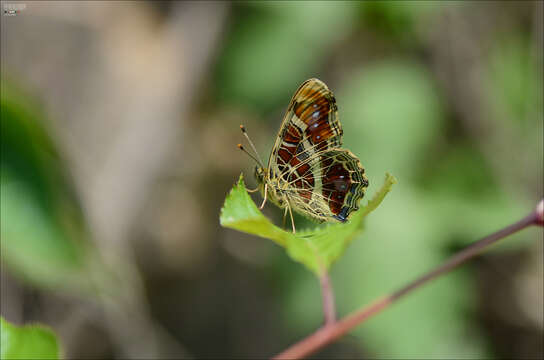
x=27, y=342
x=40, y=221
x=274, y=44
x=391, y=114
x=397, y=19
x=317, y=249
x=394, y=119
x=513, y=82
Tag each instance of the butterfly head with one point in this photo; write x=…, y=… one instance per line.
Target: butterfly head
x=259, y=175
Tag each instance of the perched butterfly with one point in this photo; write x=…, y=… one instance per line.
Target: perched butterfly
x=307, y=170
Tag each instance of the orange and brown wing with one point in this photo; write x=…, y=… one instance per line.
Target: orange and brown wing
x=343, y=182
x=310, y=124
x=310, y=127
x=320, y=180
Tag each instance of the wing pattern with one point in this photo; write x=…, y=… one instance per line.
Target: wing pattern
x=307, y=169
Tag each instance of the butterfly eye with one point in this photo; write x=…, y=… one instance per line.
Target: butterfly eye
x=258, y=173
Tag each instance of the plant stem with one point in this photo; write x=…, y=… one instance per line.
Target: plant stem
x=329, y=333
x=328, y=299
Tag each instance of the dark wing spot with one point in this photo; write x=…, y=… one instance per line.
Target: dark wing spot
x=342, y=216
x=336, y=183
x=301, y=153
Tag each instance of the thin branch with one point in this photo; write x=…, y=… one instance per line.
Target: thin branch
x=330, y=333
x=328, y=299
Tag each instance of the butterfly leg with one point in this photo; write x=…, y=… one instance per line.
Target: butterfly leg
x=253, y=190
x=292, y=221
x=284, y=217
x=265, y=193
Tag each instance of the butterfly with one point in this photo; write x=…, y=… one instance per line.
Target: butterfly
x=308, y=171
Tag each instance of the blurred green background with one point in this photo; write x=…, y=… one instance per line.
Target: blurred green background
x=119, y=125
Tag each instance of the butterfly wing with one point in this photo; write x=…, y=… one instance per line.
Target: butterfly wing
x=339, y=185
x=343, y=182
x=318, y=179
x=309, y=125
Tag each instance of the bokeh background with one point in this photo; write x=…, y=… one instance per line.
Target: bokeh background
x=119, y=129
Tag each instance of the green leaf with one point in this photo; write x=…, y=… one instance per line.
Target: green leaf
x=27, y=342
x=41, y=223
x=317, y=249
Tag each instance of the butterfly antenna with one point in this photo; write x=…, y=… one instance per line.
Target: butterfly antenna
x=251, y=156
x=259, y=161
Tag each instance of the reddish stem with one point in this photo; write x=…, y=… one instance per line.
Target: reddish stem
x=328, y=298
x=329, y=333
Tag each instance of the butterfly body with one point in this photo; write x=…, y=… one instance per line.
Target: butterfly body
x=307, y=170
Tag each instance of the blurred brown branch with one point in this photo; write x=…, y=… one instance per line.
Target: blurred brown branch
x=334, y=330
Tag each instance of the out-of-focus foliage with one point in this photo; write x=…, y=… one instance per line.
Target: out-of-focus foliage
x=274, y=43
x=41, y=224
x=397, y=20
x=319, y=248
x=27, y=342
x=395, y=119
x=447, y=96
x=513, y=83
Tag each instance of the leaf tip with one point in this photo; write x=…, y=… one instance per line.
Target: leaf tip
x=241, y=180
x=236, y=197
x=390, y=178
